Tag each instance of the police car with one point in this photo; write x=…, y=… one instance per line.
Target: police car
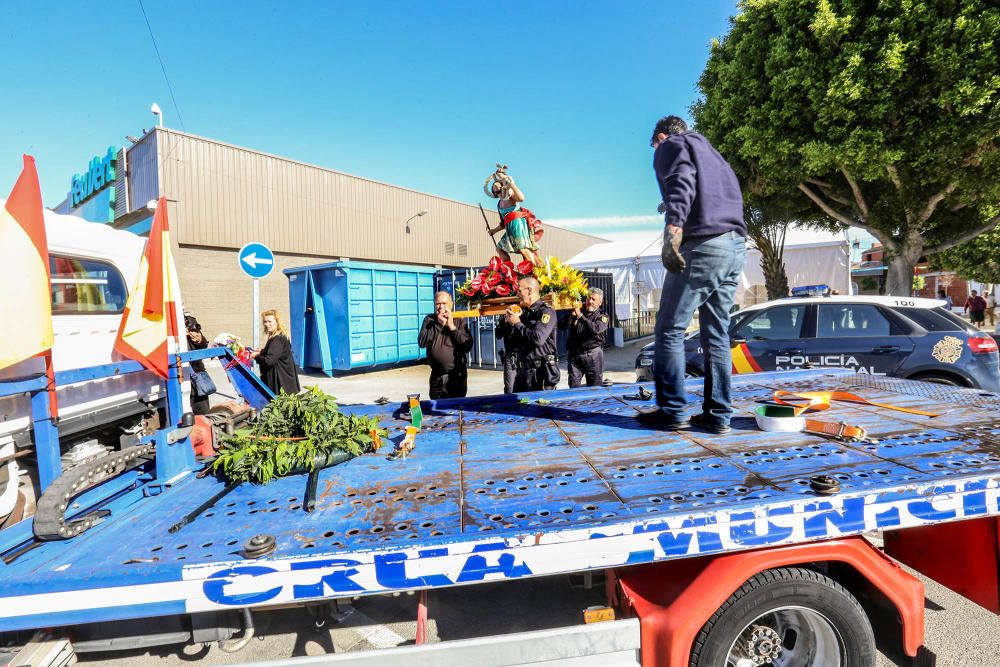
x=911, y=338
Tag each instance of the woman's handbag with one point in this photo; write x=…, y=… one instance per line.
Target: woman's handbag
x=202, y=384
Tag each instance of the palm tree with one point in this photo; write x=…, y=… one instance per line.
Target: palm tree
x=766, y=228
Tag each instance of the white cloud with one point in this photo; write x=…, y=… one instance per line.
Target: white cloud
x=612, y=227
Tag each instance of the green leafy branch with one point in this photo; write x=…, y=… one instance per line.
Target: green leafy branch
x=295, y=433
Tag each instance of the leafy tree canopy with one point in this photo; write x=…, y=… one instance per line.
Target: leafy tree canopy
x=977, y=260
x=884, y=115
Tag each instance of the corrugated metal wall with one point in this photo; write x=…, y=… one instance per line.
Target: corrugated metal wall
x=120, y=176
x=223, y=196
x=143, y=171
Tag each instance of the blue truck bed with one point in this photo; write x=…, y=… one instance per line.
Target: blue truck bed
x=499, y=489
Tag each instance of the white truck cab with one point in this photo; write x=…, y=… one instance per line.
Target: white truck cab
x=93, y=267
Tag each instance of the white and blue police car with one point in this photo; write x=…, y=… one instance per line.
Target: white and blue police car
x=905, y=337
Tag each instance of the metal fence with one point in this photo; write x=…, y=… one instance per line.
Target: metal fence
x=637, y=327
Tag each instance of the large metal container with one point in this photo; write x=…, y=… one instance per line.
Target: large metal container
x=349, y=315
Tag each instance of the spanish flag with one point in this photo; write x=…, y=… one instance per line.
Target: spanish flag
x=26, y=302
x=743, y=361
x=148, y=330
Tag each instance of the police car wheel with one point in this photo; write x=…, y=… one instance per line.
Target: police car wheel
x=791, y=617
x=940, y=379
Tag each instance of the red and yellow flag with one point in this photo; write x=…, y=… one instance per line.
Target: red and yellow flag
x=26, y=299
x=743, y=361
x=148, y=330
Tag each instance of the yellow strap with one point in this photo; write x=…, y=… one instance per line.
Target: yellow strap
x=820, y=400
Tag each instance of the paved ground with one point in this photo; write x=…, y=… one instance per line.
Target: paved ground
x=958, y=631
x=396, y=383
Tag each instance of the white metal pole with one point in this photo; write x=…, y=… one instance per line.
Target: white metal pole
x=256, y=314
x=850, y=278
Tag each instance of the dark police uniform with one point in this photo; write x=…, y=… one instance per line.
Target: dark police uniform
x=531, y=348
x=501, y=331
x=586, y=346
x=446, y=350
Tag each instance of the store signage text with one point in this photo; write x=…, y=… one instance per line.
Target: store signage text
x=100, y=173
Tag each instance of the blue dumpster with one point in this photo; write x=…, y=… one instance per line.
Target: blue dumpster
x=347, y=315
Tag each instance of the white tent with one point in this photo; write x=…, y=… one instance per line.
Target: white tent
x=811, y=258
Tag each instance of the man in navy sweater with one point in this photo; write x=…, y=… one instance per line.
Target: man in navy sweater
x=704, y=246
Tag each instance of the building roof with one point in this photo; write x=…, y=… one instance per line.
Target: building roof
x=869, y=268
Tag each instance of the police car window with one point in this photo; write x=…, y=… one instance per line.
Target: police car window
x=934, y=319
x=85, y=286
x=778, y=323
x=851, y=320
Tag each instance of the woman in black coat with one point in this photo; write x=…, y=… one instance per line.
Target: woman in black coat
x=277, y=367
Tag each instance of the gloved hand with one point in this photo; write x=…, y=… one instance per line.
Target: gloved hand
x=671, y=253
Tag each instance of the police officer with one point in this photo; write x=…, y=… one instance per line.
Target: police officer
x=447, y=341
x=530, y=340
x=587, y=329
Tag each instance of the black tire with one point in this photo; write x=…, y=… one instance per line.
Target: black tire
x=940, y=379
x=787, y=591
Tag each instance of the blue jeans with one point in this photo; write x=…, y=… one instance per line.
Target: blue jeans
x=708, y=283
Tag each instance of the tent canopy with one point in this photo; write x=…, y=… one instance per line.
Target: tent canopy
x=811, y=257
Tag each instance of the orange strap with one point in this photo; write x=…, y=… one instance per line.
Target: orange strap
x=820, y=400
x=840, y=431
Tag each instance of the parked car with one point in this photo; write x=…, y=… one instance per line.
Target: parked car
x=903, y=337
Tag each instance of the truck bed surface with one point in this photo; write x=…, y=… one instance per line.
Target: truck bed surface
x=497, y=488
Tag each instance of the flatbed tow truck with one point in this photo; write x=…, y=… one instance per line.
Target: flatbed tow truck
x=741, y=549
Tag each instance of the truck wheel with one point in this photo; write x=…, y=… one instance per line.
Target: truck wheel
x=787, y=617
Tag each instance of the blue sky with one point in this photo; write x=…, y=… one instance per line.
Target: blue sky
x=423, y=95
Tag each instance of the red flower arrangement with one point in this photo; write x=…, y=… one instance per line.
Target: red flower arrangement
x=499, y=278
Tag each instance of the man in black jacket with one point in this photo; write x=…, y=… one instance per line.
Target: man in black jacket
x=447, y=341
x=704, y=246
x=587, y=329
x=530, y=339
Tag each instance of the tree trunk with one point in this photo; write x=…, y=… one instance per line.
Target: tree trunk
x=775, y=277
x=769, y=239
x=899, y=279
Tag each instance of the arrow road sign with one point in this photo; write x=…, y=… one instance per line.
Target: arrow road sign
x=256, y=260
x=252, y=261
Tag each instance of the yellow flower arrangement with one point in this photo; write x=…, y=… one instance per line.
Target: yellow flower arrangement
x=561, y=280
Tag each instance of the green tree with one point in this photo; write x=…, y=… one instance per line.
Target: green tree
x=884, y=115
x=977, y=260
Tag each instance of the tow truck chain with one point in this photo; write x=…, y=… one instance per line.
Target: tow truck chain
x=50, y=523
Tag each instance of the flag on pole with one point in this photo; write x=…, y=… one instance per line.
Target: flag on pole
x=26, y=298
x=148, y=330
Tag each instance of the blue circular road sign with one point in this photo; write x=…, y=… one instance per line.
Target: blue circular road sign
x=256, y=260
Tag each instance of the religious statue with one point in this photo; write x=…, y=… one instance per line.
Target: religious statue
x=521, y=229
